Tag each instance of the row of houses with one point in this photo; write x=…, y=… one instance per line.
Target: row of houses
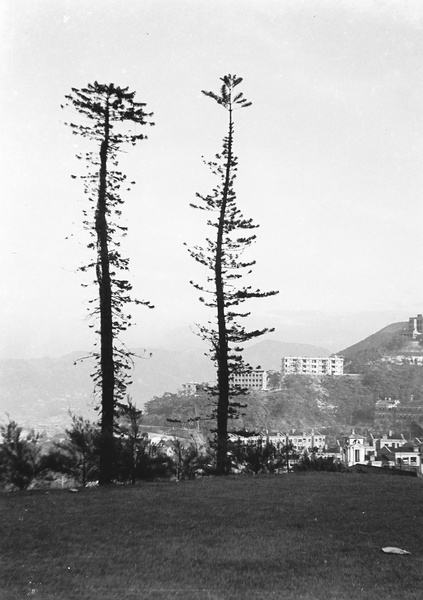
x=394, y=409
x=390, y=450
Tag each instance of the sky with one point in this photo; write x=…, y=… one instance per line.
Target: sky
x=330, y=162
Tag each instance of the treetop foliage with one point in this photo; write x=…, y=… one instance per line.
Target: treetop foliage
x=99, y=102
x=226, y=98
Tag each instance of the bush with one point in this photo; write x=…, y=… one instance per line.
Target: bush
x=318, y=463
x=190, y=461
x=20, y=456
x=260, y=456
x=78, y=455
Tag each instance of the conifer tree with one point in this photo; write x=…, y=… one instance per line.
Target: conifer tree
x=109, y=118
x=222, y=255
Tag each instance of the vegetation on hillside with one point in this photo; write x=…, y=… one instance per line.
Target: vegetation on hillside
x=302, y=401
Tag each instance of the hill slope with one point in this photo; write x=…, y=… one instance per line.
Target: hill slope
x=388, y=339
x=40, y=392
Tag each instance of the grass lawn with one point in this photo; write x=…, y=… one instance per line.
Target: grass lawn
x=311, y=536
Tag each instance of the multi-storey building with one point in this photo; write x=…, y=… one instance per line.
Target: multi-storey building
x=304, y=365
x=252, y=380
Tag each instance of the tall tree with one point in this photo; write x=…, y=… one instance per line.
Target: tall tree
x=222, y=255
x=110, y=118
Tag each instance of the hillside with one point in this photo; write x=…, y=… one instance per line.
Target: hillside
x=381, y=360
x=40, y=392
x=303, y=402
x=339, y=403
x=388, y=339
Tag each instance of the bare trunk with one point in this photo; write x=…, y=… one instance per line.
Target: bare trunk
x=222, y=350
x=106, y=322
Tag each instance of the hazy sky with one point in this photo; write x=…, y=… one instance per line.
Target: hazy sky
x=330, y=161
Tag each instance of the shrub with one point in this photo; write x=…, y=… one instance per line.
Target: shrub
x=190, y=461
x=78, y=456
x=20, y=455
x=312, y=462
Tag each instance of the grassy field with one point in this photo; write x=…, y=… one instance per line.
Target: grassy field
x=312, y=536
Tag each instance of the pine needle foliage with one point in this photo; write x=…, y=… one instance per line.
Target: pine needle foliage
x=222, y=254
x=109, y=117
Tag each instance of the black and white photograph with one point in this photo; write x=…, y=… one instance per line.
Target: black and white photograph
x=211, y=300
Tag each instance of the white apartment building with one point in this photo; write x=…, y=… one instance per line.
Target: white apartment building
x=304, y=365
x=252, y=380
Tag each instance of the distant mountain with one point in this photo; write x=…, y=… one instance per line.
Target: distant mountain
x=40, y=392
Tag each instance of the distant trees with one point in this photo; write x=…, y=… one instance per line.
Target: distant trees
x=222, y=255
x=170, y=410
x=107, y=113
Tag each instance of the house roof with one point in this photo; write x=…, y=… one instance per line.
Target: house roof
x=385, y=451
x=407, y=448
x=393, y=436
x=356, y=436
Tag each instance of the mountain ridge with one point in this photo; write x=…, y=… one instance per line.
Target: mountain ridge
x=384, y=339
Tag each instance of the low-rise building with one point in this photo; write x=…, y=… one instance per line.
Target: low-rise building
x=408, y=456
x=306, y=440
x=390, y=440
x=256, y=379
x=357, y=450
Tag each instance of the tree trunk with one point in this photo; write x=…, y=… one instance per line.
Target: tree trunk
x=106, y=320
x=222, y=351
